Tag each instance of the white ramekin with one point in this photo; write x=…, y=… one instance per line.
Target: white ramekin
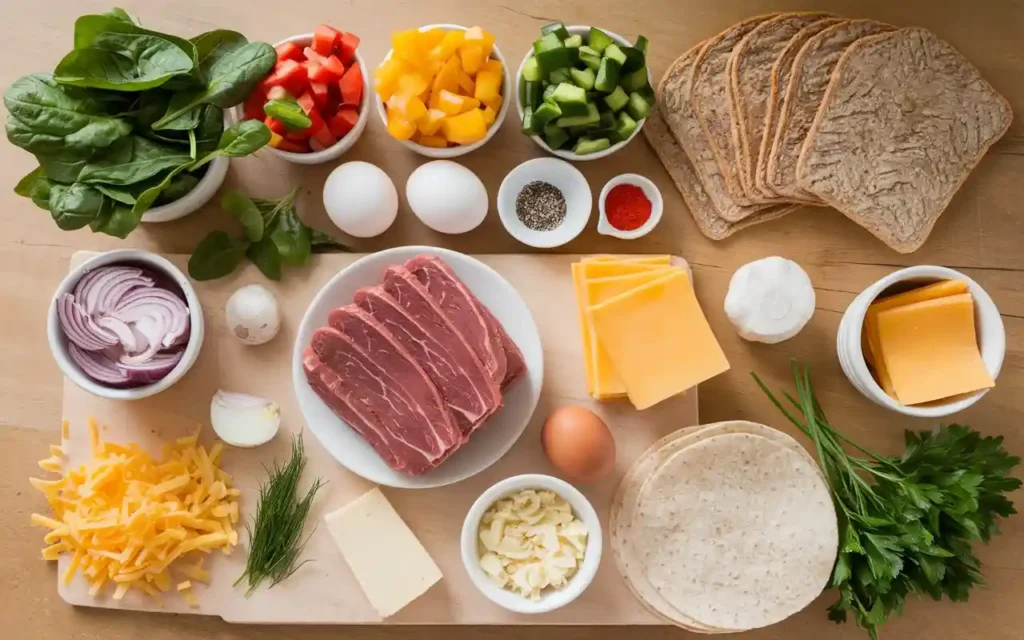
x=549, y=600
x=59, y=343
x=988, y=323
x=463, y=149
x=194, y=199
x=650, y=190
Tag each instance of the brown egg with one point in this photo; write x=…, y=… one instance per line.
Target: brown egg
x=578, y=444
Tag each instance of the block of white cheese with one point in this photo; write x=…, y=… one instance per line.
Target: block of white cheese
x=391, y=565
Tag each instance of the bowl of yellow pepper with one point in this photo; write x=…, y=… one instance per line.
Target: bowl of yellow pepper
x=443, y=89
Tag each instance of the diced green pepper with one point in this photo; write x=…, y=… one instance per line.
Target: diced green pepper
x=598, y=40
x=590, y=58
x=611, y=51
x=607, y=120
x=558, y=76
x=589, y=117
x=636, y=80
x=555, y=136
x=545, y=113
x=573, y=42
x=531, y=70
x=556, y=28
x=579, y=130
x=617, y=99
x=583, y=78
x=532, y=93
x=552, y=54
x=637, y=107
x=548, y=92
x=588, y=145
x=572, y=100
x=641, y=45
x=529, y=127
x=607, y=76
x=648, y=94
x=634, y=59
x=624, y=127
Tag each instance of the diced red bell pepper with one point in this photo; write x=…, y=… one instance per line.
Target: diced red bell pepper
x=277, y=93
x=253, y=109
x=308, y=103
x=335, y=68
x=324, y=39
x=343, y=122
x=351, y=86
x=313, y=55
x=275, y=125
x=288, y=74
x=323, y=136
x=313, y=70
x=298, y=135
x=347, y=45
x=295, y=147
x=288, y=51
x=321, y=94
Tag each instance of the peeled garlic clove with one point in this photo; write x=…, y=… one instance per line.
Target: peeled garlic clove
x=243, y=420
x=770, y=300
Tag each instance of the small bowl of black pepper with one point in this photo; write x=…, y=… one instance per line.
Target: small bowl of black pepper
x=545, y=202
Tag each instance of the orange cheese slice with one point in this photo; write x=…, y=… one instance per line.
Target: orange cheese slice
x=609, y=268
x=663, y=259
x=930, y=349
x=658, y=339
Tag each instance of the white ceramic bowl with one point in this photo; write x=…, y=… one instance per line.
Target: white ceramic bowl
x=459, y=150
x=570, y=182
x=59, y=343
x=650, y=190
x=343, y=145
x=550, y=599
x=568, y=154
x=194, y=199
x=988, y=324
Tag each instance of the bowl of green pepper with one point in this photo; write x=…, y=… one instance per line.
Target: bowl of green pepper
x=583, y=92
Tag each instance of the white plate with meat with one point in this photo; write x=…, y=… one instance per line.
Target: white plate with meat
x=417, y=367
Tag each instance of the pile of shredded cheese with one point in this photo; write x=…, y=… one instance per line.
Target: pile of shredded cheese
x=128, y=517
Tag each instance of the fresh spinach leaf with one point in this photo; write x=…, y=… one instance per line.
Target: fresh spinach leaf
x=214, y=45
x=238, y=204
x=217, y=255
x=238, y=140
x=117, y=220
x=230, y=78
x=291, y=237
x=124, y=62
x=75, y=206
x=146, y=199
x=63, y=167
x=184, y=121
x=89, y=28
x=48, y=118
x=179, y=187
x=264, y=255
x=321, y=242
x=117, y=194
x=210, y=129
x=135, y=160
x=35, y=186
x=288, y=111
x=118, y=13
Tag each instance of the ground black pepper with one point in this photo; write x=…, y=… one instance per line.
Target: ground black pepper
x=540, y=206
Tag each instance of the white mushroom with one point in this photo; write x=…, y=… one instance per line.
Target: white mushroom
x=770, y=300
x=253, y=315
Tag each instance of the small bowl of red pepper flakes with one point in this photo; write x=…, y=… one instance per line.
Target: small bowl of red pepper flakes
x=630, y=206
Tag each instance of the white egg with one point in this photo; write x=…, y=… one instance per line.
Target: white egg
x=447, y=197
x=360, y=199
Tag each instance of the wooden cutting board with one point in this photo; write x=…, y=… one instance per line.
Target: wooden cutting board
x=323, y=591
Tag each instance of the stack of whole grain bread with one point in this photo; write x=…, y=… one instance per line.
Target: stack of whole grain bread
x=794, y=109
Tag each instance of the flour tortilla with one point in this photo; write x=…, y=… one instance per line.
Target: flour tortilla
x=624, y=506
x=750, y=85
x=781, y=69
x=736, y=532
x=710, y=98
x=904, y=121
x=809, y=78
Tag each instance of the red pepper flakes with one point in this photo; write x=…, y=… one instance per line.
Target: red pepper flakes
x=627, y=207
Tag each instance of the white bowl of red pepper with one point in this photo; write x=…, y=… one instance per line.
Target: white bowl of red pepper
x=630, y=206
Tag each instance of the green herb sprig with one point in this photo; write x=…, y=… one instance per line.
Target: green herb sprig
x=273, y=235
x=906, y=525
x=276, y=532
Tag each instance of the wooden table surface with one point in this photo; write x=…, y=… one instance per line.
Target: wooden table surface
x=981, y=234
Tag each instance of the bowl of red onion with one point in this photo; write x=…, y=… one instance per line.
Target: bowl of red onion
x=125, y=325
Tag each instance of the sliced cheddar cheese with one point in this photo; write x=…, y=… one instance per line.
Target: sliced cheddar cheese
x=658, y=339
x=585, y=333
x=609, y=268
x=930, y=349
x=634, y=260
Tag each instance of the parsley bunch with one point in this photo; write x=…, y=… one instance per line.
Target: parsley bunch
x=906, y=525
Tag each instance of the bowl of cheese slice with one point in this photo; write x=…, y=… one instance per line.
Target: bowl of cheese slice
x=531, y=543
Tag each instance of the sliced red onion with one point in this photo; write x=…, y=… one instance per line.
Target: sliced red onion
x=80, y=328
x=98, y=366
x=124, y=333
x=159, y=304
x=153, y=371
x=101, y=289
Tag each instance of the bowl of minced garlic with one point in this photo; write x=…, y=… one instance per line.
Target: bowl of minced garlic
x=531, y=543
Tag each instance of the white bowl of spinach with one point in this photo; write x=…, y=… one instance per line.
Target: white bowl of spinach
x=132, y=122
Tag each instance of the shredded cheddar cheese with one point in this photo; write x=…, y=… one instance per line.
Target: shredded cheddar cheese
x=128, y=518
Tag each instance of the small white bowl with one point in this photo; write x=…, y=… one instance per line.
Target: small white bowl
x=59, y=343
x=988, y=324
x=550, y=599
x=650, y=190
x=561, y=174
x=458, y=150
x=194, y=199
x=343, y=145
x=568, y=154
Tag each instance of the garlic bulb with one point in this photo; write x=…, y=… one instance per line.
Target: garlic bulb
x=770, y=300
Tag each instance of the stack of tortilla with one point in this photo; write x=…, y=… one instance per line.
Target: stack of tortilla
x=724, y=528
x=793, y=109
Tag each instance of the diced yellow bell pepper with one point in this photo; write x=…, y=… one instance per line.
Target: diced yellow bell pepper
x=431, y=141
x=472, y=56
x=448, y=46
x=407, y=107
x=387, y=75
x=466, y=84
x=399, y=128
x=412, y=84
x=448, y=77
x=475, y=35
x=275, y=139
x=488, y=85
x=492, y=66
x=469, y=103
x=430, y=39
x=430, y=122
x=465, y=128
x=406, y=45
x=493, y=103
x=490, y=115
x=451, y=103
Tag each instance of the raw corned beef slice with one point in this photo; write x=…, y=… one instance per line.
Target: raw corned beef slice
x=383, y=379
x=410, y=314
x=482, y=330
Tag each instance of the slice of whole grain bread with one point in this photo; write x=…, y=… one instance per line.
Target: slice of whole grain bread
x=903, y=122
